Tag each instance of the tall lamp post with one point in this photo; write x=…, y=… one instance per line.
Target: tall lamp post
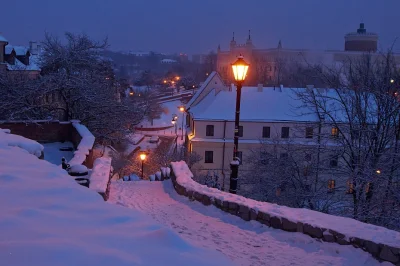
x=182, y=109
x=143, y=156
x=239, y=69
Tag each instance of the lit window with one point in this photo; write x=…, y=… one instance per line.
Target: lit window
x=335, y=132
x=331, y=185
x=350, y=187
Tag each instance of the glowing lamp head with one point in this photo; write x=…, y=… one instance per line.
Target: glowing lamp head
x=378, y=171
x=239, y=69
x=143, y=156
x=177, y=78
x=173, y=82
x=181, y=108
x=391, y=80
x=165, y=81
x=173, y=122
x=131, y=93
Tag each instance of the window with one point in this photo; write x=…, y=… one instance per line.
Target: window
x=309, y=132
x=240, y=131
x=350, y=187
x=266, y=133
x=331, y=185
x=240, y=156
x=285, y=132
x=334, y=161
x=209, y=130
x=284, y=155
x=306, y=171
x=209, y=157
x=335, y=132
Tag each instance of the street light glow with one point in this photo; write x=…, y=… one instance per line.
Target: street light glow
x=165, y=81
x=378, y=172
x=143, y=156
x=391, y=80
x=240, y=68
x=181, y=108
x=177, y=78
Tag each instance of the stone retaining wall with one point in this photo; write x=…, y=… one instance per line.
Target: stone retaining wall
x=381, y=251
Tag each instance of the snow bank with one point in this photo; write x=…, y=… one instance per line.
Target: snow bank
x=85, y=145
x=48, y=219
x=313, y=223
x=100, y=176
x=29, y=145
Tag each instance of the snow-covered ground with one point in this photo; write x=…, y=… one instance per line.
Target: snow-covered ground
x=245, y=243
x=53, y=154
x=46, y=218
x=169, y=109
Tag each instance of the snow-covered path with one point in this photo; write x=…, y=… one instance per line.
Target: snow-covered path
x=245, y=243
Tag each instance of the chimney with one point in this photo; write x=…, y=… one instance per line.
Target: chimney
x=33, y=48
x=260, y=88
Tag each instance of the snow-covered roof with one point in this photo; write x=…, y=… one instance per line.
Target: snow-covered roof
x=18, y=65
x=2, y=39
x=168, y=61
x=19, y=50
x=267, y=105
x=201, y=89
x=9, y=49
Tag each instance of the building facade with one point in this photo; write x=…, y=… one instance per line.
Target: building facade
x=272, y=121
x=17, y=60
x=270, y=66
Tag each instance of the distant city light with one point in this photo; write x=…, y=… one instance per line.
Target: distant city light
x=131, y=93
x=165, y=81
x=392, y=81
x=177, y=78
x=173, y=82
x=378, y=172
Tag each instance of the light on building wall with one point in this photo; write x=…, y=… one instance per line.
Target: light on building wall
x=240, y=68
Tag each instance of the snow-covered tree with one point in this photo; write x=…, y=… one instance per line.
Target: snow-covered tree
x=85, y=87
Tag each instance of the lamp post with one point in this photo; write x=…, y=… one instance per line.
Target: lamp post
x=143, y=156
x=182, y=109
x=239, y=69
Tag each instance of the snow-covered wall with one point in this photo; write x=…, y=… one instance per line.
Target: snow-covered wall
x=83, y=152
x=379, y=241
x=100, y=176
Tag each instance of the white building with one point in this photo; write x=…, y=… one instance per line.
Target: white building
x=268, y=115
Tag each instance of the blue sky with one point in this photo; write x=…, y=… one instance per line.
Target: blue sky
x=194, y=26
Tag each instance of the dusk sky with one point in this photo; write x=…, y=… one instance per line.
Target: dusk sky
x=199, y=26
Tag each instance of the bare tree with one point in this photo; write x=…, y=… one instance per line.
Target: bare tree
x=363, y=111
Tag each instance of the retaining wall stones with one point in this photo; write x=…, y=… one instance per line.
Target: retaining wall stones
x=381, y=251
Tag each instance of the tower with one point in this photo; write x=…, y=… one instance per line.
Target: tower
x=249, y=42
x=361, y=40
x=233, y=42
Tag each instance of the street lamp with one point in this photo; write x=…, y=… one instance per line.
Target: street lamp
x=182, y=109
x=239, y=69
x=143, y=156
